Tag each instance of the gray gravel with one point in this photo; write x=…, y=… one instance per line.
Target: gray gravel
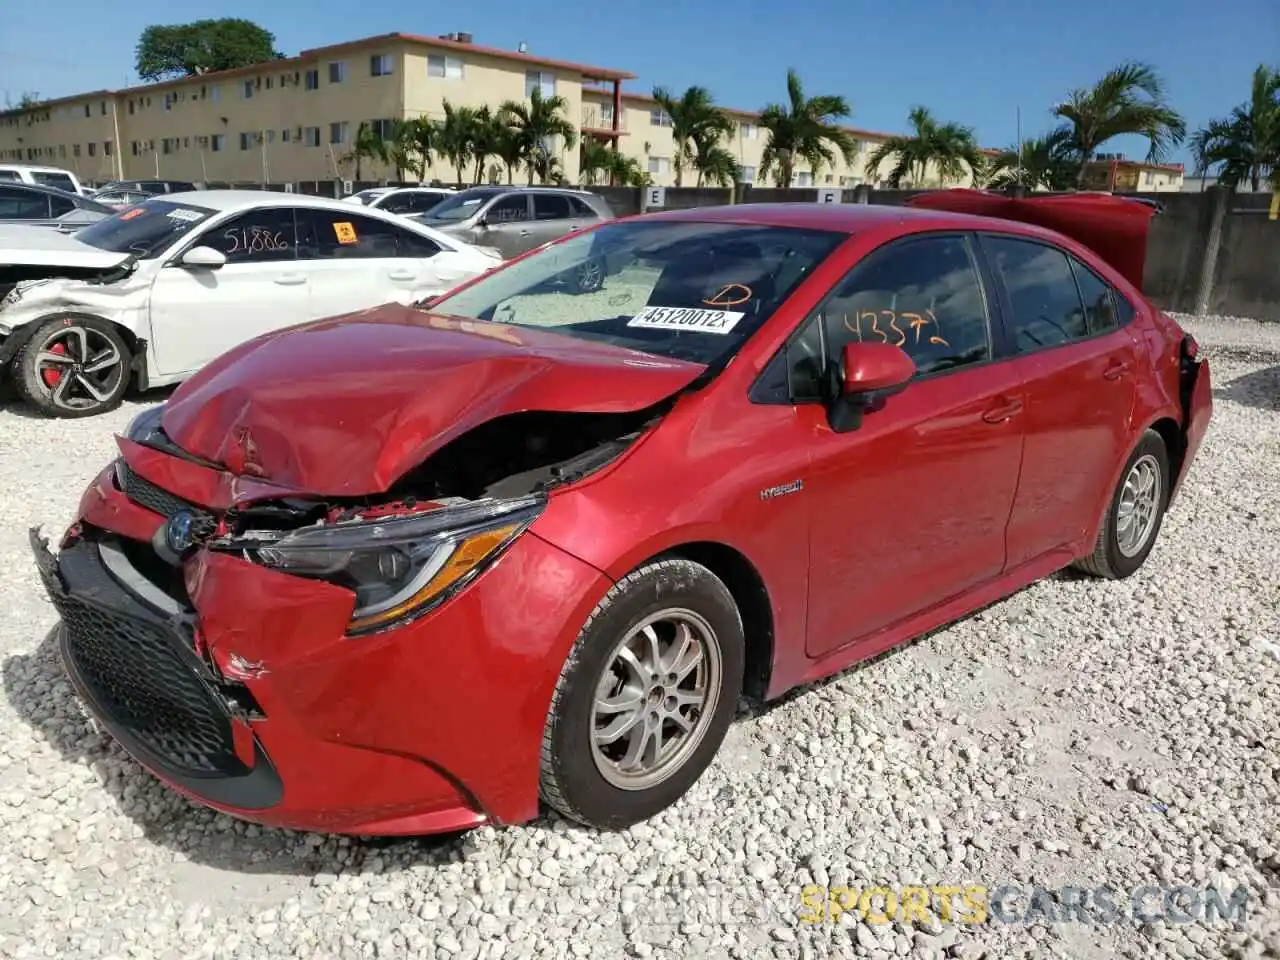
x=1080, y=733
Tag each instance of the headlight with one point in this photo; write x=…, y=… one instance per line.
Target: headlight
x=401, y=567
x=144, y=423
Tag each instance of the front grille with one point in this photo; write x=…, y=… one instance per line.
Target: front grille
x=138, y=678
x=136, y=671
x=146, y=494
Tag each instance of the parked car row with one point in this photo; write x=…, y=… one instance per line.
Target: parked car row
x=150, y=294
x=512, y=547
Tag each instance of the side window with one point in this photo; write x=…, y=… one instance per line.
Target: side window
x=922, y=295
x=60, y=205
x=399, y=203
x=9, y=175
x=582, y=209
x=259, y=236
x=22, y=205
x=59, y=180
x=1099, y=307
x=1042, y=292
x=509, y=209
x=338, y=235
x=551, y=206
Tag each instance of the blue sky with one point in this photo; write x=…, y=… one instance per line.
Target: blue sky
x=975, y=62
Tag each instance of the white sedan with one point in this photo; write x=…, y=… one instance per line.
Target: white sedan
x=151, y=294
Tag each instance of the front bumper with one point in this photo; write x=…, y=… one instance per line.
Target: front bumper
x=241, y=691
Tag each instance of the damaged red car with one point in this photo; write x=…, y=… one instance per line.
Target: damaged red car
x=416, y=569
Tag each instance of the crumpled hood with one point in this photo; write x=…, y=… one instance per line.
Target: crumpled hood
x=345, y=406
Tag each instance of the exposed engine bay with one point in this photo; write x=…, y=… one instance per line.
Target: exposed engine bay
x=510, y=456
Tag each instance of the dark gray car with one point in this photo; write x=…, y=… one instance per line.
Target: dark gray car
x=48, y=206
x=515, y=219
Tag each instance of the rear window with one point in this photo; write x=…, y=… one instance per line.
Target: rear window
x=62, y=181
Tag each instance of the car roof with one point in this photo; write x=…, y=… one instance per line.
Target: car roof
x=35, y=168
x=847, y=218
x=40, y=188
x=236, y=199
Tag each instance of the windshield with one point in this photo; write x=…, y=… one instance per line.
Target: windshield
x=459, y=206
x=685, y=290
x=146, y=230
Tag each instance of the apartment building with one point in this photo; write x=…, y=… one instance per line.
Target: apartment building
x=291, y=119
x=1111, y=171
x=296, y=119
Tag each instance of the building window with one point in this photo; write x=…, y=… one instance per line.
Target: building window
x=746, y=174
x=445, y=68
x=131, y=108
x=539, y=80
x=311, y=136
x=218, y=142
x=247, y=90
x=313, y=80
x=380, y=65
x=383, y=129
x=337, y=71
x=88, y=111
x=659, y=117
x=338, y=132
x=133, y=147
x=168, y=146
x=269, y=82
x=284, y=135
x=245, y=140
x=93, y=149
x=748, y=131
x=75, y=150
x=803, y=178
x=102, y=108
x=660, y=165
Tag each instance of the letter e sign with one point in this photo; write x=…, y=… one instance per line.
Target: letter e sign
x=655, y=197
x=830, y=195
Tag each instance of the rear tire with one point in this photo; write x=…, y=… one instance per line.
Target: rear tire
x=633, y=675
x=588, y=276
x=73, y=366
x=1135, y=513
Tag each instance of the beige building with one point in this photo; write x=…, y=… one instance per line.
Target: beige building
x=296, y=119
x=1113, y=172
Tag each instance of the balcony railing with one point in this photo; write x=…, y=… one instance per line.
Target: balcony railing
x=595, y=117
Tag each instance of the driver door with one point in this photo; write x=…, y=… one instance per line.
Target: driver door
x=911, y=508
x=198, y=313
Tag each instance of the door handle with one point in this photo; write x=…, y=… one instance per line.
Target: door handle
x=291, y=279
x=402, y=275
x=1002, y=411
x=524, y=233
x=1116, y=370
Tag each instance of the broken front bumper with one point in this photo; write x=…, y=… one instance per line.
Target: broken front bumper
x=240, y=689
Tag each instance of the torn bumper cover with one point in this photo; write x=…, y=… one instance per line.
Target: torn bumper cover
x=240, y=687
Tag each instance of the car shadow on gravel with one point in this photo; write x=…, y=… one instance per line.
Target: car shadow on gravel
x=39, y=692
x=1259, y=390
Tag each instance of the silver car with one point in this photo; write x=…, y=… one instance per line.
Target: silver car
x=515, y=219
x=48, y=206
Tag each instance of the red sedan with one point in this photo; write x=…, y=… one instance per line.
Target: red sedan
x=415, y=568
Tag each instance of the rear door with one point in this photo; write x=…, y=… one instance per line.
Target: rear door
x=553, y=217
x=1078, y=364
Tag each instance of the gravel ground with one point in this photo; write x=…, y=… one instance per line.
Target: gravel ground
x=1080, y=733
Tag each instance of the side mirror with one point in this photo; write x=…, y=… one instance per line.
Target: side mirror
x=868, y=373
x=482, y=222
x=205, y=257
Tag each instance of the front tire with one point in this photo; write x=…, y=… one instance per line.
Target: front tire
x=73, y=366
x=645, y=697
x=1135, y=513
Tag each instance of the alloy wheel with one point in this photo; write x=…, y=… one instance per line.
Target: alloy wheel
x=1139, y=505
x=655, y=699
x=79, y=367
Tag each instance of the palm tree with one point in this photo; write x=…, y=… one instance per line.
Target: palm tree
x=456, y=137
x=368, y=145
x=420, y=139
x=509, y=149
x=595, y=157
x=697, y=124
x=1128, y=100
x=1049, y=162
x=535, y=122
x=948, y=147
x=487, y=137
x=1245, y=145
x=715, y=164
x=804, y=129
